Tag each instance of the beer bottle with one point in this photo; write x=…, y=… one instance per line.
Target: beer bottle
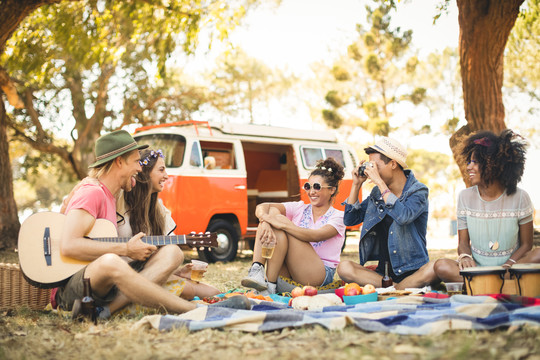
x=88, y=305
x=386, y=280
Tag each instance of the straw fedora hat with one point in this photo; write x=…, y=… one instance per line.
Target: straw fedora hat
x=392, y=149
x=112, y=145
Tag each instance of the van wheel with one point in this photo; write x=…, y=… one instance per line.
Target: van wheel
x=227, y=242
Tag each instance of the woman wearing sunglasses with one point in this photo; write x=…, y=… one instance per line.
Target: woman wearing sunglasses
x=307, y=237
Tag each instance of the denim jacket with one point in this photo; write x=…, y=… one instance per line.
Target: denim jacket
x=407, y=234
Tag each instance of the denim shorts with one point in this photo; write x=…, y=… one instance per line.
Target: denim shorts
x=329, y=277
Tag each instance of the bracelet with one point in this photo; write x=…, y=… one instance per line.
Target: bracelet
x=512, y=260
x=461, y=256
x=385, y=192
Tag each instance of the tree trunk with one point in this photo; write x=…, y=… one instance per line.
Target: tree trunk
x=484, y=27
x=9, y=219
x=12, y=12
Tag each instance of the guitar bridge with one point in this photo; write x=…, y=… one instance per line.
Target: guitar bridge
x=47, y=245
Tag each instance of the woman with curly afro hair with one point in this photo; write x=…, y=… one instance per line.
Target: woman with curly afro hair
x=495, y=217
x=307, y=237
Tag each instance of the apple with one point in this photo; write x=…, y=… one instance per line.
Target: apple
x=352, y=292
x=309, y=290
x=368, y=289
x=352, y=289
x=297, y=291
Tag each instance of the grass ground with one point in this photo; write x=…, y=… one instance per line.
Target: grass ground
x=26, y=334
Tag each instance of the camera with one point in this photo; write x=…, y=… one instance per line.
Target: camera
x=362, y=168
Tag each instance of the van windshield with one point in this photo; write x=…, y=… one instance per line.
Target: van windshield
x=173, y=146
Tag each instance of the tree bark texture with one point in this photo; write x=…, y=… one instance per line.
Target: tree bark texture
x=12, y=13
x=484, y=28
x=9, y=219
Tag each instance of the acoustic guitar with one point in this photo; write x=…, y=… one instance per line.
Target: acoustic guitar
x=44, y=266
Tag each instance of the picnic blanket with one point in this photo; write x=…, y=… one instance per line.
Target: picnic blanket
x=407, y=315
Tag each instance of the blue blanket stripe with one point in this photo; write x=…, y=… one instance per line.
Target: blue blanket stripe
x=419, y=317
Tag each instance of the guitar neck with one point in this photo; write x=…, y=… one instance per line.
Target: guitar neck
x=156, y=240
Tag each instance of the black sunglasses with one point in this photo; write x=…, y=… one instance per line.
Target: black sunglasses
x=316, y=186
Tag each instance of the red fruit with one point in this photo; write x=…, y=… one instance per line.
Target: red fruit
x=309, y=290
x=352, y=289
x=297, y=291
x=353, y=292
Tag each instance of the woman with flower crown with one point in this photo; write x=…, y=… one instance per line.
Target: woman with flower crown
x=141, y=210
x=307, y=237
x=495, y=217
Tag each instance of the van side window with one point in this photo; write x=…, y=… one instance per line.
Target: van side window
x=195, y=157
x=336, y=154
x=310, y=155
x=218, y=155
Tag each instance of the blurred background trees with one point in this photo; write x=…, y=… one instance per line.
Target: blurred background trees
x=377, y=73
x=80, y=68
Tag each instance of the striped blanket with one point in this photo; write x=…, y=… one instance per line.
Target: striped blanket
x=407, y=315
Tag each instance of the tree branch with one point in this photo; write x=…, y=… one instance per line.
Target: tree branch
x=33, y=114
x=8, y=87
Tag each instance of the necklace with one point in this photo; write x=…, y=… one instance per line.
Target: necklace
x=493, y=245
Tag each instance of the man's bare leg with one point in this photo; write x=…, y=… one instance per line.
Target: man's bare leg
x=110, y=270
x=157, y=269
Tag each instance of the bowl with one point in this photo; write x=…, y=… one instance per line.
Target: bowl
x=281, y=299
x=358, y=299
x=339, y=292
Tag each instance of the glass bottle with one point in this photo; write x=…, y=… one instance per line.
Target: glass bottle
x=88, y=305
x=386, y=280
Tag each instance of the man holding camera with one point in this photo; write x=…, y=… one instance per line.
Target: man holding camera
x=394, y=218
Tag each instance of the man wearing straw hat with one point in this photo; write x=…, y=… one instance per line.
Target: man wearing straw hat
x=114, y=283
x=394, y=218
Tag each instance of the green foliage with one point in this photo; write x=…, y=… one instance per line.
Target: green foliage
x=372, y=65
x=434, y=169
x=340, y=73
x=371, y=108
x=240, y=83
x=373, y=73
x=334, y=99
x=417, y=96
x=440, y=89
x=522, y=68
x=332, y=118
x=96, y=65
x=41, y=180
x=378, y=126
x=451, y=125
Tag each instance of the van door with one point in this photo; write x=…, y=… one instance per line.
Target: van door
x=272, y=175
x=217, y=194
x=206, y=190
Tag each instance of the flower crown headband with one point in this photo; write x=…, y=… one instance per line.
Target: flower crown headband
x=153, y=155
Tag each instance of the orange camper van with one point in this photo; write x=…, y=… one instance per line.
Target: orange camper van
x=219, y=172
